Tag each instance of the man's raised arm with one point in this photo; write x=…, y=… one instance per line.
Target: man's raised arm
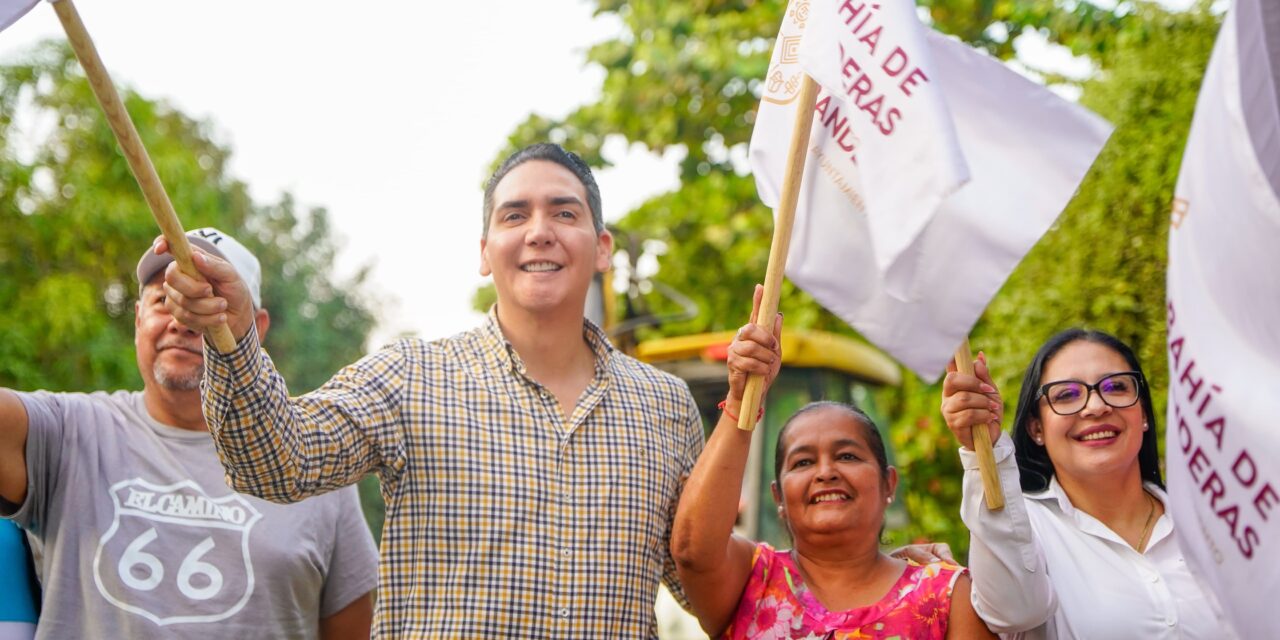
x=271, y=446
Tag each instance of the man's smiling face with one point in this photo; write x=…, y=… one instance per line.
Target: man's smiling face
x=542, y=248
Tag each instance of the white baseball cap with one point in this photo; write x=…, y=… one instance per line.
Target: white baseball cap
x=219, y=244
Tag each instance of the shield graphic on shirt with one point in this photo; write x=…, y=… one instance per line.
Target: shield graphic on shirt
x=175, y=555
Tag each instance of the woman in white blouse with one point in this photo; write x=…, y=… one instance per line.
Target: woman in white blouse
x=1083, y=548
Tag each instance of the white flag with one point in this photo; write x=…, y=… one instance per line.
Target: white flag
x=873, y=59
x=1223, y=430
x=11, y=10
x=1026, y=150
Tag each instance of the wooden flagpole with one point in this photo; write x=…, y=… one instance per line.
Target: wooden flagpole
x=991, y=487
x=136, y=154
x=784, y=217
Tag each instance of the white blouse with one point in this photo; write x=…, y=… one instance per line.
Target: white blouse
x=1042, y=569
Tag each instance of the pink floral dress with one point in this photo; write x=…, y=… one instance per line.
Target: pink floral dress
x=776, y=604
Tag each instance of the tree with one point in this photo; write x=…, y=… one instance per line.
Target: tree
x=75, y=224
x=686, y=74
x=1102, y=264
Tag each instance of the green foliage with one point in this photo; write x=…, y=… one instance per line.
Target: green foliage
x=75, y=225
x=685, y=74
x=1102, y=265
x=720, y=210
x=1083, y=27
x=484, y=298
x=318, y=324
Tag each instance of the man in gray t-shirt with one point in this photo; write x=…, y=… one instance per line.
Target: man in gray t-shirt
x=136, y=532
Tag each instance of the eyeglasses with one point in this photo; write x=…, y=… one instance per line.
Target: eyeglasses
x=1069, y=397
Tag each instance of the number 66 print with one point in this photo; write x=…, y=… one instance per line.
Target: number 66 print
x=134, y=556
x=175, y=555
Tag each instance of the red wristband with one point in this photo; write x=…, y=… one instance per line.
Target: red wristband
x=721, y=406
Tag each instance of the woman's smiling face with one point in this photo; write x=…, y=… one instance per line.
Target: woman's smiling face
x=831, y=480
x=1099, y=439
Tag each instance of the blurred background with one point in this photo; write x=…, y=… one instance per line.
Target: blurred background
x=365, y=140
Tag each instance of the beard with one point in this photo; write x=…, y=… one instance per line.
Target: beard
x=176, y=379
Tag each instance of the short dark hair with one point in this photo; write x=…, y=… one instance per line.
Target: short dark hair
x=552, y=153
x=1034, y=466
x=869, y=431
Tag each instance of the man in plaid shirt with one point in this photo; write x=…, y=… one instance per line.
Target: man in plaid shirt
x=530, y=470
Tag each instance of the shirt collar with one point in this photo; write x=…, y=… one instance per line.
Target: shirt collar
x=498, y=350
x=1056, y=494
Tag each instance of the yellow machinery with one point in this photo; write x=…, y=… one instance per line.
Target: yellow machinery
x=816, y=366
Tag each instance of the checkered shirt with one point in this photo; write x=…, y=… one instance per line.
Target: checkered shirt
x=504, y=519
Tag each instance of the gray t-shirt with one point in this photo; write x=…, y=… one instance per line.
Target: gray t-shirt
x=138, y=536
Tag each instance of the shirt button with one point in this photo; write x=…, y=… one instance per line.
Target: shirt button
x=1155, y=577
x=1170, y=621
x=565, y=552
x=564, y=612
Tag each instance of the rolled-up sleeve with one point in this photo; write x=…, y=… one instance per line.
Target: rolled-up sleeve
x=1011, y=587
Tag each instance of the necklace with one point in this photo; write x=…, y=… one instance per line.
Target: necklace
x=1146, y=528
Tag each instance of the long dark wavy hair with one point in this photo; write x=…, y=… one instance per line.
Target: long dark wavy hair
x=1034, y=466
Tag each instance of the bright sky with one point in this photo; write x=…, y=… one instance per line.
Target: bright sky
x=388, y=114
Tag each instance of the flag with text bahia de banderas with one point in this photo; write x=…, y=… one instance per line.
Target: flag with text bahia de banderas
x=931, y=171
x=1222, y=442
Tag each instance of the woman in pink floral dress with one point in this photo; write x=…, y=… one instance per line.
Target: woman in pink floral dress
x=833, y=486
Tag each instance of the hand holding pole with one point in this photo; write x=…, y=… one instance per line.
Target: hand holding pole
x=991, y=487
x=136, y=154
x=784, y=217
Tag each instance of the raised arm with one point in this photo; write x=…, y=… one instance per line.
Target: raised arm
x=712, y=562
x=1011, y=588
x=274, y=447
x=13, y=451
